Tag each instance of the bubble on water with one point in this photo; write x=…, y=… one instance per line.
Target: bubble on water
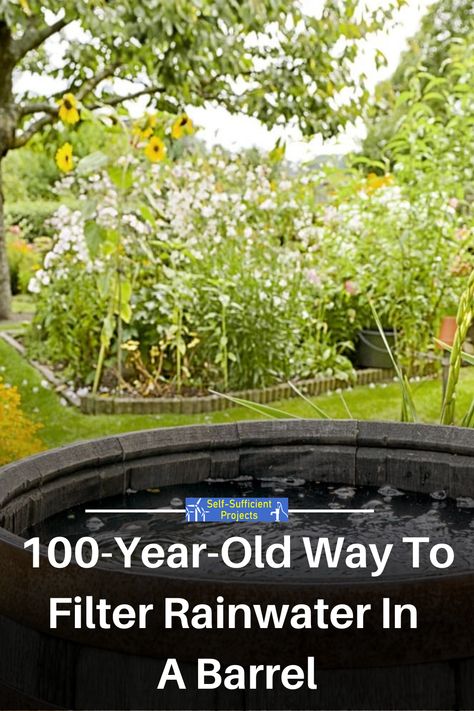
x=465, y=502
x=176, y=502
x=131, y=491
x=278, y=490
x=154, y=490
x=301, y=495
x=345, y=492
x=71, y=516
x=131, y=528
x=293, y=481
x=94, y=524
x=376, y=504
x=388, y=490
x=335, y=505
x=439, y=495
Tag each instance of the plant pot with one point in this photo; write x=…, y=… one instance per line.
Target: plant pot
x=447, y=330
x=371, y=351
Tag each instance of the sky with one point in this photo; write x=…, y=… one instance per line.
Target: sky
x=217, y=126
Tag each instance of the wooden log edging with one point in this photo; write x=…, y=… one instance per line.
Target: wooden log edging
x=101, y=405
x=195, y=405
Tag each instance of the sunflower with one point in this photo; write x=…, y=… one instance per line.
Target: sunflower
x=68, y=111
x=155, y=150
x=144, y=128
x=64, y=159
x=182, y=126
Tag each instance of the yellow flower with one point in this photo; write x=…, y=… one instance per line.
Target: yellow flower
x=64, y=159
x=155, y=150
x=374, y=181
x=145, y=126
x=68, y=111
x=182, y=126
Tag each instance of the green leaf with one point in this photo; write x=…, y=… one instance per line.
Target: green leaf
x=94, y=234
x=121, y=177
x=92, y=163
x=467, y=357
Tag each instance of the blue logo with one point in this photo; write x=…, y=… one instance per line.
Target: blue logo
x=236, y=510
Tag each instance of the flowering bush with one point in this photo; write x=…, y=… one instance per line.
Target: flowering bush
x=18, y=433
x=223, y=279
x=398, y=246
x=198, y=270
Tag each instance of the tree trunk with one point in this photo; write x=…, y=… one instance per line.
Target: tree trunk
x=5, y=289
x=8, y=120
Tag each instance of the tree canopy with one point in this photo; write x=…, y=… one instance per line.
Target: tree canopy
x=267, y=58
x=447, y=22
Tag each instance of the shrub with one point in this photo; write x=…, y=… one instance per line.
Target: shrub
x=18, y=436
x=32, y=217
x=23, y=261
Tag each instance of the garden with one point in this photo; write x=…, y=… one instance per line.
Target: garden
x=147, y=266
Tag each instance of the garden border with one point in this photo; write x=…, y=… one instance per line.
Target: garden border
x=195, y=405
x=102, y=405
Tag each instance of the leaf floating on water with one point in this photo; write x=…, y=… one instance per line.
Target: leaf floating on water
x=439, y=495
x=465, y=502
x=94, y=524
x=345, y=492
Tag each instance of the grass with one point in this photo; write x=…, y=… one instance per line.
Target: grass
x=63, y=424
x=23, y=304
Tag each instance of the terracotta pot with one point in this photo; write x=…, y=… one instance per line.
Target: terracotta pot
x=447, y=330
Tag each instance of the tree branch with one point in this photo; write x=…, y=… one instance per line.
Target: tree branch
x=115, y=100
x=38, y=108
x=34, y=37
x=51, y=111
x=90, y=84
x=29, y=132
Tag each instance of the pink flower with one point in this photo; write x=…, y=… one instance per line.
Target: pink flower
x=351, y=288
x=313, y=277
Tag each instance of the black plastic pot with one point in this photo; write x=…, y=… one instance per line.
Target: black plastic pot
x=371, y=351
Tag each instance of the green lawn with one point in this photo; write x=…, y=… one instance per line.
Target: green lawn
x=63, y=424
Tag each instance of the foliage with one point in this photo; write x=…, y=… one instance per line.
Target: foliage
x=445, y=23
x=230, y=272
x=464, y=319
x=397, y=245
x=283, y=55
x=32, y=217
x=223, y=288
x=23, y=260
x=290, y=66
x=18, y=433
